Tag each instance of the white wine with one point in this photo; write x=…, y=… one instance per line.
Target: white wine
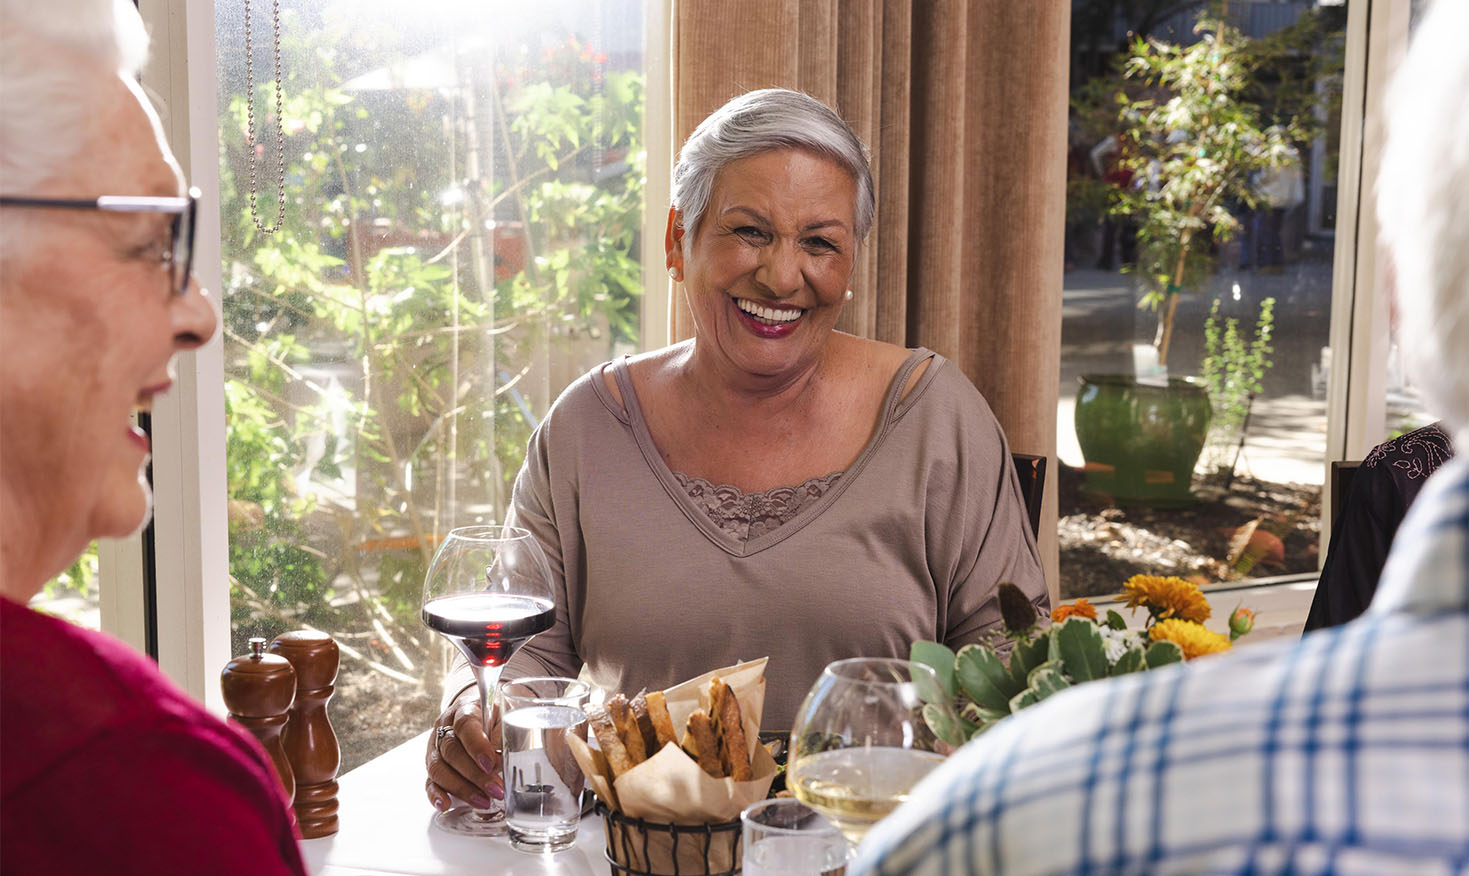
x=855, y=787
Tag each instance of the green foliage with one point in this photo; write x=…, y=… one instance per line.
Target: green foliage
x=1076, y=644
x=1195, y=142
x=1234, y=369
x=377, y=345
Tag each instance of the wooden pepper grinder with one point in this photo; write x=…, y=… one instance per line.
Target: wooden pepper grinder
x=310, y=742
x=258, y=690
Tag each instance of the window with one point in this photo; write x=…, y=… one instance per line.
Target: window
x=1201, y=243
x=458, y=239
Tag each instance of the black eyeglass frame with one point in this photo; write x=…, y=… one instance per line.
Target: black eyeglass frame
x=185, y=211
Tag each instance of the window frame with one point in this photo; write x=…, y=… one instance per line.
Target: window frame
x=190, y=521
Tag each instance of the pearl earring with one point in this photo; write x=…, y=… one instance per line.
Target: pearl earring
x=848, y=296
x=673, y=273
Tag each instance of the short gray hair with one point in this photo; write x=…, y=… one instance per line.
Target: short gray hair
x=51, y=55
x=1423, y=208
x=761, y=121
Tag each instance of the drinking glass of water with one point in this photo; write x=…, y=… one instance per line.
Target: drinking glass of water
x=543, y=784
x=785, y=837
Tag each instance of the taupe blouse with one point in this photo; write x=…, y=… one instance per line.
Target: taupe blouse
x=662, y=577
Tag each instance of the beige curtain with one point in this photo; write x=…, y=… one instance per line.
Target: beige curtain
x=964, y=107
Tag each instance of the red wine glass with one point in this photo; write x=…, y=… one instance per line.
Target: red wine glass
x=487, y=590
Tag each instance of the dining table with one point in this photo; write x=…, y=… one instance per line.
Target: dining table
x=385, y=826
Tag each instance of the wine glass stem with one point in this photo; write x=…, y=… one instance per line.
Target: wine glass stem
x=486, y=678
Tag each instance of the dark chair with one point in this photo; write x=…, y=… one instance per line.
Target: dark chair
x=1342, y=472
x=1032, y=472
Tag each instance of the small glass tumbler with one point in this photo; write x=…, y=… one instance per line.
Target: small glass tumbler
x=785, y=837
x=543, y=784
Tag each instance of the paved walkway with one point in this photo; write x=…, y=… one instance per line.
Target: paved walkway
x=1286, y=439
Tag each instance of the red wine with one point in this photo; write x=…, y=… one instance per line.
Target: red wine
x=489, y=627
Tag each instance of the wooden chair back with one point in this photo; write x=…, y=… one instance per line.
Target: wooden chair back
x=1032, y=472
x=1342, y=472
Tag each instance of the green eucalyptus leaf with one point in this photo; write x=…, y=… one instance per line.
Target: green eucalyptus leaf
x=1027, y=655
x=1163, y=653
x=983, y=677
x=1131, y=660
x=939, y=658
x=946, y=725
x=1115, y=620
x=1078, y=644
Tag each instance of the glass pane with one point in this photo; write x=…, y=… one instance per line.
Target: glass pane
x=463, y=198
x=1201, y=217
x=1405, y=408
x=74, y=594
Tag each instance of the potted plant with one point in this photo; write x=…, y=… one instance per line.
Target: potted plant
x=1195, y=145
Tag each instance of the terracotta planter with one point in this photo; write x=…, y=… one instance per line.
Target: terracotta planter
x=1141, y=442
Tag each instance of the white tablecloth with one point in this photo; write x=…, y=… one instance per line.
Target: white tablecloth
x=386, y=827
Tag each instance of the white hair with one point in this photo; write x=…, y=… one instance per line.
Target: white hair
x=760, y=121
x=53, y=57
x=1423, y=208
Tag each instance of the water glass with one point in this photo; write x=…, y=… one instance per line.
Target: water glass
x=785, y=837
x=543, y=784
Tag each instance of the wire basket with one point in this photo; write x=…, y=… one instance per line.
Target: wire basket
x=648, y=848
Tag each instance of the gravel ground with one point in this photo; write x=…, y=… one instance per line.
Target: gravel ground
x=1102, y=545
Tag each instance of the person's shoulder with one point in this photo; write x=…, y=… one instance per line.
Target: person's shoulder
x=166, y=771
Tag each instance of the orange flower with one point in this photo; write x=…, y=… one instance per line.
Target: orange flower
x=1167, y=597
x=1079, y=608
x=1195, y=639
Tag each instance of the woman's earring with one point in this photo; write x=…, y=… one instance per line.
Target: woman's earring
x=673, y=273
x=848, y=296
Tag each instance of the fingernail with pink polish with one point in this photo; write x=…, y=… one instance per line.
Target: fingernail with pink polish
x=485, y=763
x=479, y=802
x=496, y=791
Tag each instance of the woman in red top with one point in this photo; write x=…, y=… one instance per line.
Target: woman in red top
x=105, y=766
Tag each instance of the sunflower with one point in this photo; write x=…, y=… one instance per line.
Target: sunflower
x=1195, y=639
x=1167, y=597
x=1079, y=608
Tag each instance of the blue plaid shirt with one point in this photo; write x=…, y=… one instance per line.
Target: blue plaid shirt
x=1344, y=752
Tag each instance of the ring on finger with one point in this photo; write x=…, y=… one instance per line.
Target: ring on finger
x=441, y=732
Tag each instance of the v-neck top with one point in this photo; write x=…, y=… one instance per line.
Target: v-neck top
x=893, y=402
x=908, y=544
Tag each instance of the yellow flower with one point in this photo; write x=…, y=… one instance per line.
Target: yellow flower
x=1195, y=639
x=1080, y=608
x=1167, y=597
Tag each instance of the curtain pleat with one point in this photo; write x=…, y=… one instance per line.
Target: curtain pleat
x=963, y=104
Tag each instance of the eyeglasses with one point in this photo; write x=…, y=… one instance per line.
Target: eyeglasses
x=177, y=259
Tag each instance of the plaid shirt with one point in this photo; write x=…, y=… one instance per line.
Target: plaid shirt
x=1344, y=752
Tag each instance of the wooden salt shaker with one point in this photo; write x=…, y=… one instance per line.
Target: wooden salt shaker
x=258, y=690
x=310, y=742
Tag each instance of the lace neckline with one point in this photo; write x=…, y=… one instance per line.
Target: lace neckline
x=747, y=516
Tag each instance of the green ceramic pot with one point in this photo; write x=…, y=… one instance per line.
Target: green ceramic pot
x=1141, y=442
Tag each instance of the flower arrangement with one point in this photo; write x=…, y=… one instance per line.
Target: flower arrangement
x=1076, y=647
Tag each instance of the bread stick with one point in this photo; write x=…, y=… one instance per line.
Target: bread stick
x=699, y=742
x=662, y=722
x=627, y=729
x=606, y=732
x=639, y=707
x=729, y=730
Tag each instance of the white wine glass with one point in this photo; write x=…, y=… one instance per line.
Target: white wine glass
x=487, y=590
x=859, y=742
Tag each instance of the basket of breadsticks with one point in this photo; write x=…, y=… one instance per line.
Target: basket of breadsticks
x=672, y=770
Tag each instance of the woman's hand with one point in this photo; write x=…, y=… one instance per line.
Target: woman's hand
x=461, y=761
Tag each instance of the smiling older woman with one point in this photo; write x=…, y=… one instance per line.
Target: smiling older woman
x=770, y=486
x=107, y=766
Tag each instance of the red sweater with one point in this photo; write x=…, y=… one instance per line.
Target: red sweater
x=107, y=767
